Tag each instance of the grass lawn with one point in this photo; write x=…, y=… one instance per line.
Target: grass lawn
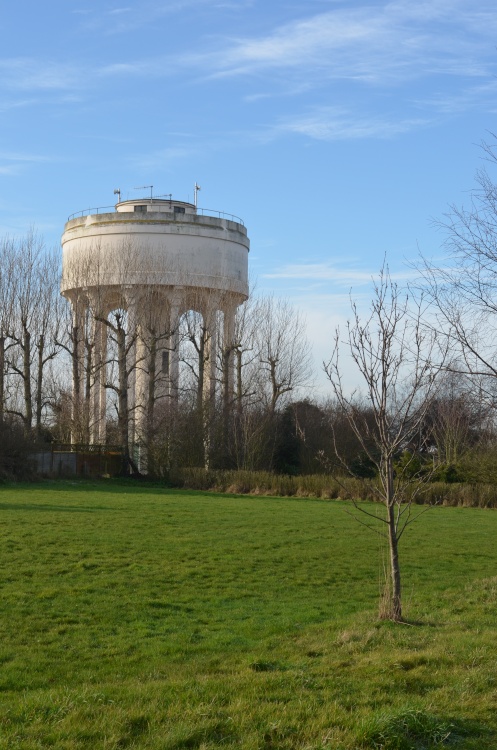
x=138, y=617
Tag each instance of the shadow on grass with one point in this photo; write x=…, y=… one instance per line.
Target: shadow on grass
x=112, y=486
x=52, y=508
x=210, y=734
x=406, y=622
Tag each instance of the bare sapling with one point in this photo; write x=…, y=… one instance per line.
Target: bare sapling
x=394, y=355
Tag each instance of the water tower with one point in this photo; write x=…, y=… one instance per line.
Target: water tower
x=156, y=259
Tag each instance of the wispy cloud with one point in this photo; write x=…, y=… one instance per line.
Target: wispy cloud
x=23, y=73
x=381, y=45
x=376, y=44
x=337, y=123
x=14, y=163
x=9, y=169
x=326, y=272
x=119, y=11
x=6, y=106
x=144, y=13
x=21, y=157
x=471, y=97
x=160, y=159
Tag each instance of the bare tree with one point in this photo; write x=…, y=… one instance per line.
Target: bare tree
x=463, y=286
x=156, y=386
x=48, y=323
x=457, y=419
x=30, y=303
x=283, y=353
x=194, y=337
x=272, y=363
x=121, y=341
x=7, y=267
x=27, y=296
x=392, y=352
x=71, y=404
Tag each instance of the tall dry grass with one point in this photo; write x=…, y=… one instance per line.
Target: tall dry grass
x=329, y=488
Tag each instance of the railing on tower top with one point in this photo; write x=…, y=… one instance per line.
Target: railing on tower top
x=89, y=211
x=220, y=215
x=201, y=211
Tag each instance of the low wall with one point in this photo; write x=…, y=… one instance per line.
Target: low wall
x=76, y=461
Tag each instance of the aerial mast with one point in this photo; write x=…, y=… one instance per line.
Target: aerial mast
x=147, y=187
x=196, y=188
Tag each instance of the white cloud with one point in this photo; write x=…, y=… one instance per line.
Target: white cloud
x=144, y=13
x=9, y=169
x=323, y=273
x=23, y=73
x=5, y=106
x=382, y=44
x=471, y=97
x=21, y=157
x=376, y=44
x=336, y=123
x=160, y=159
x=16, y=162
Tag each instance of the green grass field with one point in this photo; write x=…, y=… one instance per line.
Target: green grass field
x=138, y=617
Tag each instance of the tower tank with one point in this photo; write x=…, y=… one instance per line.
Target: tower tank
x=154, y=260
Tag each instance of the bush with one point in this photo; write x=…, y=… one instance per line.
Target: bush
x=15, y=449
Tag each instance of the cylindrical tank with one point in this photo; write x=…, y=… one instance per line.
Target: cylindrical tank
x=166, y=243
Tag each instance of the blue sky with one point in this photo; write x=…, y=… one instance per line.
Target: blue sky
x=336, y=130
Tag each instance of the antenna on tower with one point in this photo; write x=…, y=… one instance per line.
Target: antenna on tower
x=146, y=187
x=117, y=192
x=196, y=188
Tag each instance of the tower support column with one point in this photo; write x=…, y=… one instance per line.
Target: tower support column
x=98, y=395
x=173, y=344
x=79, y=316
x=228, y=352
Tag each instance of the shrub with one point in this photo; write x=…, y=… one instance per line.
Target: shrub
x=15, y=448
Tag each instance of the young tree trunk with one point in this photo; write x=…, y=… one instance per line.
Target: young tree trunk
x=2, y=376
x=39, y=385
x=274, y=386
x=123, y=416
x=152, y=369
x=227, y=403
x=201, y=371
x=395, y=599
x=147, y=432
x=239, y=381
x=76, y=383
x=26, y=376
x=88, y=380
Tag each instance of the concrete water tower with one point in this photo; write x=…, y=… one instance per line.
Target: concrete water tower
x=156, y=259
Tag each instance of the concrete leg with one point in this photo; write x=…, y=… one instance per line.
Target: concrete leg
x=97, y=392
